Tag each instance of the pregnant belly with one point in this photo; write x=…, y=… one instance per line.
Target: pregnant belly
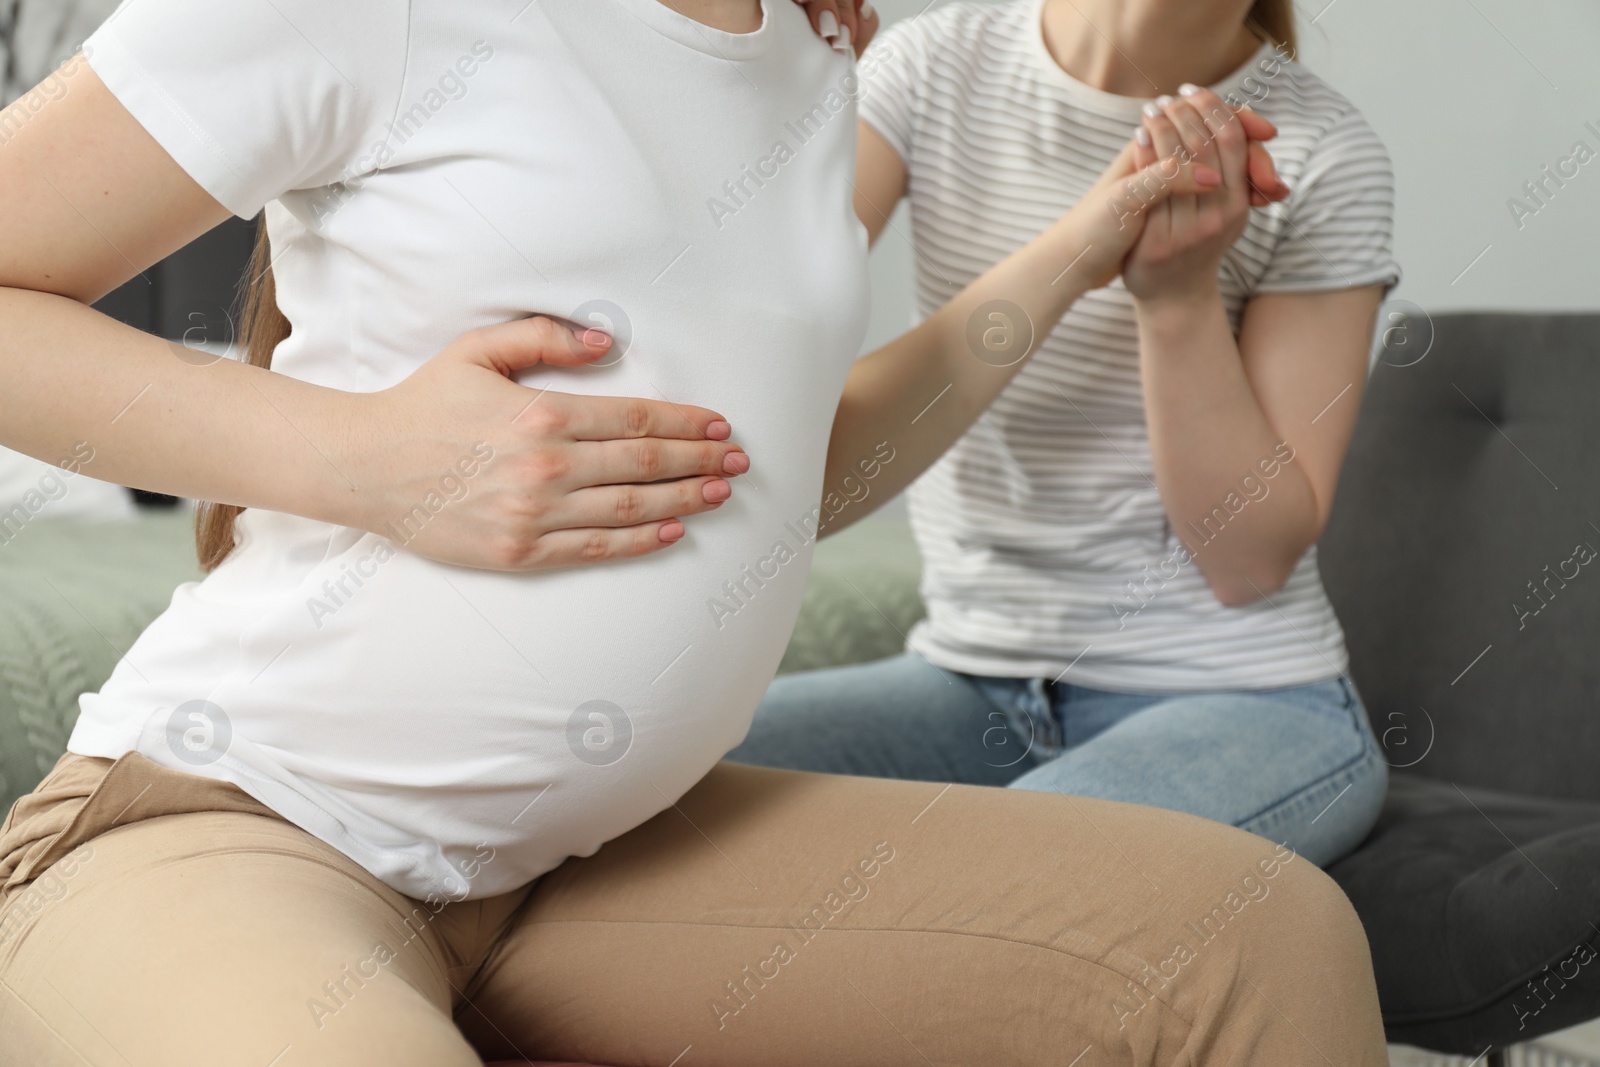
x=535, y=716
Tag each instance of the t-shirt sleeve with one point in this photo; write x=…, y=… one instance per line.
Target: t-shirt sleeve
x=1340, y=228
x=891, y=78
x=254, y=98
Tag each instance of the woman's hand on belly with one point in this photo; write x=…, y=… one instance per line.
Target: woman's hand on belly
x=462, y=465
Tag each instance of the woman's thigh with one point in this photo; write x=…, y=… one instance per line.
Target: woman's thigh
x=894, y=718
x=1297, y=766
x=221, y=938
x=789, y=919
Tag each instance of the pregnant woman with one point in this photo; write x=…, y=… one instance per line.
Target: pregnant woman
x=1119, y=558
x=323, y=811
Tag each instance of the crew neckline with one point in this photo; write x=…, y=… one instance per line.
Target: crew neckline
x=694, y=34
x=1114, y=104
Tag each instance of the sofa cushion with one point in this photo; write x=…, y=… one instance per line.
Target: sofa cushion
x=862, y=598
x=1482, y=910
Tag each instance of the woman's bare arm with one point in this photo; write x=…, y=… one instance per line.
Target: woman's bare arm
x=88, y=199
x=1247, y=435
x=916, y=396
x=880, y=180
x=913, y=398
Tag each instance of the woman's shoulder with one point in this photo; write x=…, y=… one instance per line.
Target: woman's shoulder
x=1303, y=105
x=1336, y=229
x=964, y=24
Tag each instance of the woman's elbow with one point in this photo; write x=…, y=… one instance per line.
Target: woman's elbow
x=1240, y=587
x=1258, y=571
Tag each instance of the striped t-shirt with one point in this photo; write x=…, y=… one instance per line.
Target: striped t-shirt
x=1045, y=543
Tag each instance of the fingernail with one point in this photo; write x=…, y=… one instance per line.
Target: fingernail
x=1163, y=101
x=671, y=531
x=867, y=10
x=1204, y=175
x=1141, y=135
x=718, y=430
x=827, y=25
x=842, y=42
x=716, y=491
x=735, y=463
x=1151, y=111
x=596, y=338
x=1188, y=89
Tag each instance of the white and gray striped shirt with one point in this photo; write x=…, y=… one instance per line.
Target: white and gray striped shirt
x=1044, y=539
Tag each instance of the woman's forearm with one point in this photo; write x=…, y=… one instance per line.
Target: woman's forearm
x=914, y=397
x=155, y=415
x=1230, y=487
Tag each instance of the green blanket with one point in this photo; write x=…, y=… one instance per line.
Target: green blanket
x=73, y=596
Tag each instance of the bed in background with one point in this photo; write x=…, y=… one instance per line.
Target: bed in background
x=73, y=596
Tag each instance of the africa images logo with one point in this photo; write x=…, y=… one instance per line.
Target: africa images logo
x=599, y=732
x=198, y=732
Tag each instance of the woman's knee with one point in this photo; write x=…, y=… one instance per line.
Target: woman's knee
x=1211, y=942
x=1176, y=939
x=1329, y=818
x=1315, y=931
x=1296, y=970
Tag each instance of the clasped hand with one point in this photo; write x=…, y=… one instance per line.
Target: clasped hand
x=1185, y=237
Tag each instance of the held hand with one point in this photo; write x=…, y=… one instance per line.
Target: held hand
x=462, y=465
x=1103, y=227
x=1265, y=185
x=843, y=23
x=1185, y=238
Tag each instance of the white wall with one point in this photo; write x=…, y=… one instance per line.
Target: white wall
x=1473, y=97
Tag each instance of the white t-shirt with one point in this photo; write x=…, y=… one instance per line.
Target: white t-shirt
x=428, y=168
x=1044, y=539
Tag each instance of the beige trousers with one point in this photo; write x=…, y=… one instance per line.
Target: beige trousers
x=151, y=918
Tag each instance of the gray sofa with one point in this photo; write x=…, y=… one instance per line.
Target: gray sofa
x=1453, y=558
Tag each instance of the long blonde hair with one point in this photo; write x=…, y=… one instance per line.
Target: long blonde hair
x=261, y=327
x=1273, y=22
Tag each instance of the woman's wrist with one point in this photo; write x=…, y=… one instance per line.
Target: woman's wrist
x=1179, y=309
x=1072, y=265
x=314, y=472
x=346, y=488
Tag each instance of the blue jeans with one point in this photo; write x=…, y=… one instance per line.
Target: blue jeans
x=1298, y=765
